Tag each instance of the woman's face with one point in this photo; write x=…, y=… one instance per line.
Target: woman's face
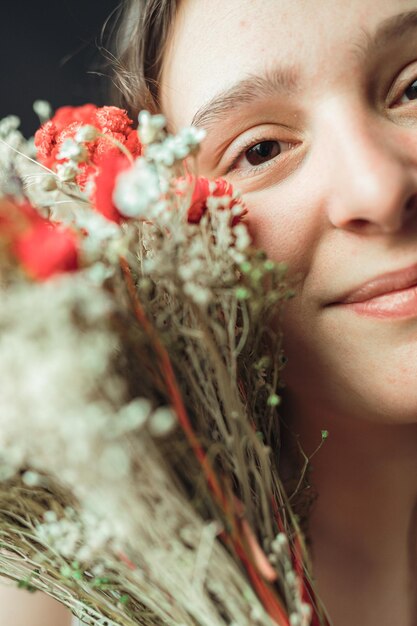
x=311, y=111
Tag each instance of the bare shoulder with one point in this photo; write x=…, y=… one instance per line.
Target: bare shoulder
x=19, y=607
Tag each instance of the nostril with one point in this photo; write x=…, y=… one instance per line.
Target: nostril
x=358, y=223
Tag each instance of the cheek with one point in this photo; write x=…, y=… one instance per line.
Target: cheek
x=291, y=227
x=287, y=228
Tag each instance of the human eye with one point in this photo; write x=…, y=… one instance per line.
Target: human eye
x=256, y=155
x=404, y=90
x=410, y=93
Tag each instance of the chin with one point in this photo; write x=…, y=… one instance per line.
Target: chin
x=390, y=402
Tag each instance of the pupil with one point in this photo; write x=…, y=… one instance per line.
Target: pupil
x=266, y=150
x=411, y=91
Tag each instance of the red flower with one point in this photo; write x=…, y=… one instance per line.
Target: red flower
x=41, y=247
x=102, y=195
x=47, y=249
x=205, y=188
x=109, y=120
x=48, y=138
x=64, y=116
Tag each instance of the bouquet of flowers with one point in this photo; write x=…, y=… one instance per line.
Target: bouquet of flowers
x=140, y=360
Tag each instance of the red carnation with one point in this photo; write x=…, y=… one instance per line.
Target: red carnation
x=114, y=120
x=49, y=137
x=205, y=188
x=111, y=121
x=84, y=114
x=102, y=196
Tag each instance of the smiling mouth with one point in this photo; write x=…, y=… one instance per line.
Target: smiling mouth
x=390, y=295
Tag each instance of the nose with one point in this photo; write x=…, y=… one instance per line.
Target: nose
x=372, y=172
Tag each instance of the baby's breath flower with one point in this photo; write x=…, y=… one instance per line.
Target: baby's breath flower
x=199, y=294
x=114, y=462
x=306, y=611
x=243, y=239
x=72, y=150
x=50, y=517
x=43, y=110
x=192, y=136
x=280, y=544
x=162, y=422
x=86, y=133
x=162, y=153
x=66, y=172
x=31, y=478
x=137, y=190
x=132, y=416
x=150, y=127
x=257, y=614
x=175, y=148
x=291, y=578
x=295, y=619
x=9, y=124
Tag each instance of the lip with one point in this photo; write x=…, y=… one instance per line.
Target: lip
x=389, y=296
x=382, y=285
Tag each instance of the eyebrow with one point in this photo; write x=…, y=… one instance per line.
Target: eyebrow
x=286, y=80
x=391, y=28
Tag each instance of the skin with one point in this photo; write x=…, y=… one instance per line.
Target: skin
x=18, y=607
x=339, y=205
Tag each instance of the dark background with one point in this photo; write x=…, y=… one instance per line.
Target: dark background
x=48, y=51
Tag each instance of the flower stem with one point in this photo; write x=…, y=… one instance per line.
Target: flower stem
x=268, y=597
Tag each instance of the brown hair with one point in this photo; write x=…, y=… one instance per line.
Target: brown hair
x=137, y=42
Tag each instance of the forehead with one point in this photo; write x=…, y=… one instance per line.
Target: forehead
x=215, y=43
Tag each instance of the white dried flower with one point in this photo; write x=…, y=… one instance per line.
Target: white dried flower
x=9, y=124
x=243, y=239
x=133, y=416
x=280, y=544
x=86, y=133
x=257, y=614
x=67, y=172
x=114, y=462
x=175, y=148
x=162, y=421
x=73, y=151
x=150, y=127
x=50, y=517
x=306, y=611
x=78, y=535
x=162, y=153
x=295, y=619
x=137, y=190
x=31, y=478
x=192, y=136
x=11, y=143
x=199, y=294
x=43, y=110
x=291, y=578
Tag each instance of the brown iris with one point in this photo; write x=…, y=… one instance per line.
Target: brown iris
x=264, y=150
